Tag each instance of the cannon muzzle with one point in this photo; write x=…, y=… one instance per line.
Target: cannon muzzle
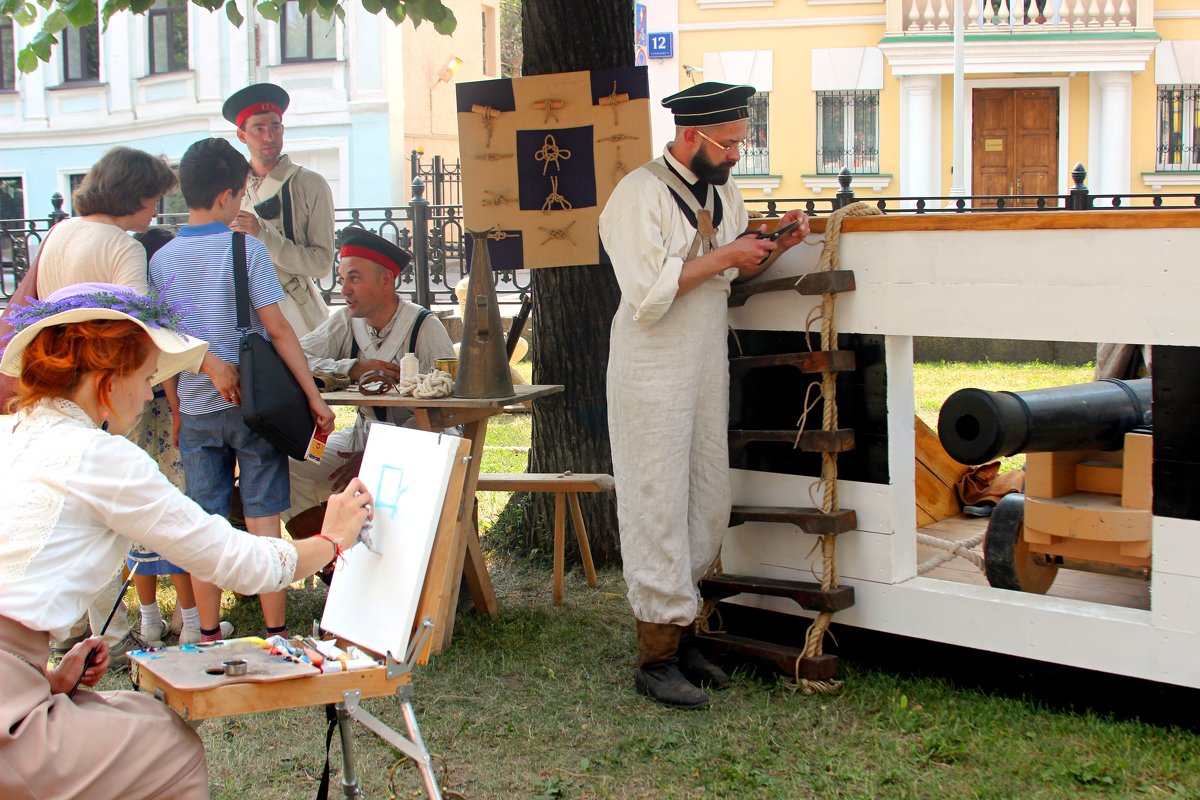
x=976, y=425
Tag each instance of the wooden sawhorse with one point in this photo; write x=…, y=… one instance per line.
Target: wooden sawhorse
x=566, y=487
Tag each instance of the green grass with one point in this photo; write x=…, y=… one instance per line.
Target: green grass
x=934, y=382
x=537, y=702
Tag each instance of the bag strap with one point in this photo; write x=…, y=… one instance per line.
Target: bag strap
x=285, y=194
x=241, y=281
x=416, y=328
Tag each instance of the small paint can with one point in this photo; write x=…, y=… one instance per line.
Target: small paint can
x=449, y=365
x=235, y=666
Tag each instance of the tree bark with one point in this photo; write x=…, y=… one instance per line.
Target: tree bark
x=573, y=306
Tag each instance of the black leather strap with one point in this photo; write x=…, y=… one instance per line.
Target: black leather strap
x=241, y=281
x=331, y=718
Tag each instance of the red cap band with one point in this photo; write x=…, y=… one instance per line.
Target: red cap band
x=351, y=251
x=257, y=108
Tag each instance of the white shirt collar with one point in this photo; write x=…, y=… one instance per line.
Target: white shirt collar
x=683, y=171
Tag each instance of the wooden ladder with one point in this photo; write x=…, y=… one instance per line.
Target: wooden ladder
x=808, y=595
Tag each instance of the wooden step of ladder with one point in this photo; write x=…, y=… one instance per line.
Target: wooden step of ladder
x=809, y=596
x=832, y=281
x=837, y=441
x=818, y=361
x=809, y=520
x=821, y=668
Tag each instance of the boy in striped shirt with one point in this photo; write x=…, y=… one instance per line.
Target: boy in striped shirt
x=197, y=267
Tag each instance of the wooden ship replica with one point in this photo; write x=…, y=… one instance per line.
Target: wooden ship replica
x=1097, y=566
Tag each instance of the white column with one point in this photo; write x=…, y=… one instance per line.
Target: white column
x=1111, y=116
x=204, y=33
x=119, y=59
x=33, y=85
x=920, y=135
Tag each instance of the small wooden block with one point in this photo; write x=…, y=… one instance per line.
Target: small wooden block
x=809, y=520
x=1098, y=476
x=819, y=361
x=1084, y=550
x=1050, y=475
x=1088, y=516
x=1136, y=479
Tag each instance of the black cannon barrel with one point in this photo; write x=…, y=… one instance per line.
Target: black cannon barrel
x=976, y=425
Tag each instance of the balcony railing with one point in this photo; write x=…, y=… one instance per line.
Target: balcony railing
x=936, y=17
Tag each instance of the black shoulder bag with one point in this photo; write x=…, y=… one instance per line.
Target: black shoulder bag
x=273, y=404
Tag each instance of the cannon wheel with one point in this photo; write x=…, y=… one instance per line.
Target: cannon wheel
x=1006, y=557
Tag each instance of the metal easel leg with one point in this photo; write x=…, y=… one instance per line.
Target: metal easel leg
x=413, y=746
x=350, y=787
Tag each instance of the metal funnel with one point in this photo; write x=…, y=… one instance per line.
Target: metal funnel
x=482, y=359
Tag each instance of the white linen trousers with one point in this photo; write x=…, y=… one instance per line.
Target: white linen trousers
x=668, y=418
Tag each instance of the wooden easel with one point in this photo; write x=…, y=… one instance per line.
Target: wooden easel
x=235, y=696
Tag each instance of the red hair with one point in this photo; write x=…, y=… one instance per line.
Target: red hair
x=61, y=357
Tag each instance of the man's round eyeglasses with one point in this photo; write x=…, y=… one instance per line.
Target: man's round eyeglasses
x=739, y=145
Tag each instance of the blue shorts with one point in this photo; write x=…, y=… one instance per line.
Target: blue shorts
x=211, y=443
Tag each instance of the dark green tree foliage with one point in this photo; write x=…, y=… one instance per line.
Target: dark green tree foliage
x=56, y=15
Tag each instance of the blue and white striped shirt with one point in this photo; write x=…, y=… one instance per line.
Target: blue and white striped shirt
x=196, y=267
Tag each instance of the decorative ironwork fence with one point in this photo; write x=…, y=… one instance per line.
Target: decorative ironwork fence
x=433, y=233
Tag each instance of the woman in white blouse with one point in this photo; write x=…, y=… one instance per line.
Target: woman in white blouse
x=75, y=495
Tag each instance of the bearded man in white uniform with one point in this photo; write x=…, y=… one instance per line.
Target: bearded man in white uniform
x=673, y=229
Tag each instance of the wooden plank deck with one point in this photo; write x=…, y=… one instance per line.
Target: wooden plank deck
x=1073, y=584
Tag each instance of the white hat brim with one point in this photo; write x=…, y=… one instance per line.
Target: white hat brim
x=177, y=352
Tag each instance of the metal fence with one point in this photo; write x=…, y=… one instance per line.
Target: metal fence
x=433, y=233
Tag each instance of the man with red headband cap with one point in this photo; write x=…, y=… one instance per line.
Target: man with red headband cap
x=374, y=330
x=286, y=207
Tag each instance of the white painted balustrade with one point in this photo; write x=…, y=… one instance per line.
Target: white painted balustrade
x=1020, y=16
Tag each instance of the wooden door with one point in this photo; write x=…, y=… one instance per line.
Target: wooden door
x=1014, y=150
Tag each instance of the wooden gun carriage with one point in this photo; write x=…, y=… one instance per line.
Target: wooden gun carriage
x=1087, y=493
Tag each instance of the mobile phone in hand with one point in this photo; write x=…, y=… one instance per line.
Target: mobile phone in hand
x=780, y=231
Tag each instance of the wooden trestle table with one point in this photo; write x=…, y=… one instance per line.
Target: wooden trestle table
x=461, y=555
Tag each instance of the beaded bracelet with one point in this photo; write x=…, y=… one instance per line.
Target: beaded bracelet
x=337, y=550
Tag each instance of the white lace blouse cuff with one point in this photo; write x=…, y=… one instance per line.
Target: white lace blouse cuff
x=285, y=552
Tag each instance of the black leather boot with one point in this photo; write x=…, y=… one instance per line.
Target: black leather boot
x=658, y=674
x=695, y=667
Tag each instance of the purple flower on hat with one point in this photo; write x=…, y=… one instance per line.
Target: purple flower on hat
x=152, y=309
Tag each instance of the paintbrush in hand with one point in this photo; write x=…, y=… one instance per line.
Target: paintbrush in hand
x=91, y=656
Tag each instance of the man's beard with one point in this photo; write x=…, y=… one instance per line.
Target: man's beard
x=707, y=171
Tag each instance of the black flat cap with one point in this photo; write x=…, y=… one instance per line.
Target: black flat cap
x=257, y=98
x=709, y=103
x=358, y=243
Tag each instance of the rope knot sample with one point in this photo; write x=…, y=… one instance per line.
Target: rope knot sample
x=554, y=198
x=551, y=153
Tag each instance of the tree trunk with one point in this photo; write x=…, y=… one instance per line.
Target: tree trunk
x=573, y=306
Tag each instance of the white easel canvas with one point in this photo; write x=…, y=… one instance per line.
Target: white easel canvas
x=374, y=596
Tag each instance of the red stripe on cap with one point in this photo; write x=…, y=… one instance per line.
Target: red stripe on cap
x=353, y=251
x=257, y=108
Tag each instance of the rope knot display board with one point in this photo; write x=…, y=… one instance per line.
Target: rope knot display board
x=543, y=153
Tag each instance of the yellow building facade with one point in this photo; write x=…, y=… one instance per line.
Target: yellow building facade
x=870, y=86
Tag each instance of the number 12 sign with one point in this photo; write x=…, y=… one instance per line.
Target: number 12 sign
x=662, y=45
